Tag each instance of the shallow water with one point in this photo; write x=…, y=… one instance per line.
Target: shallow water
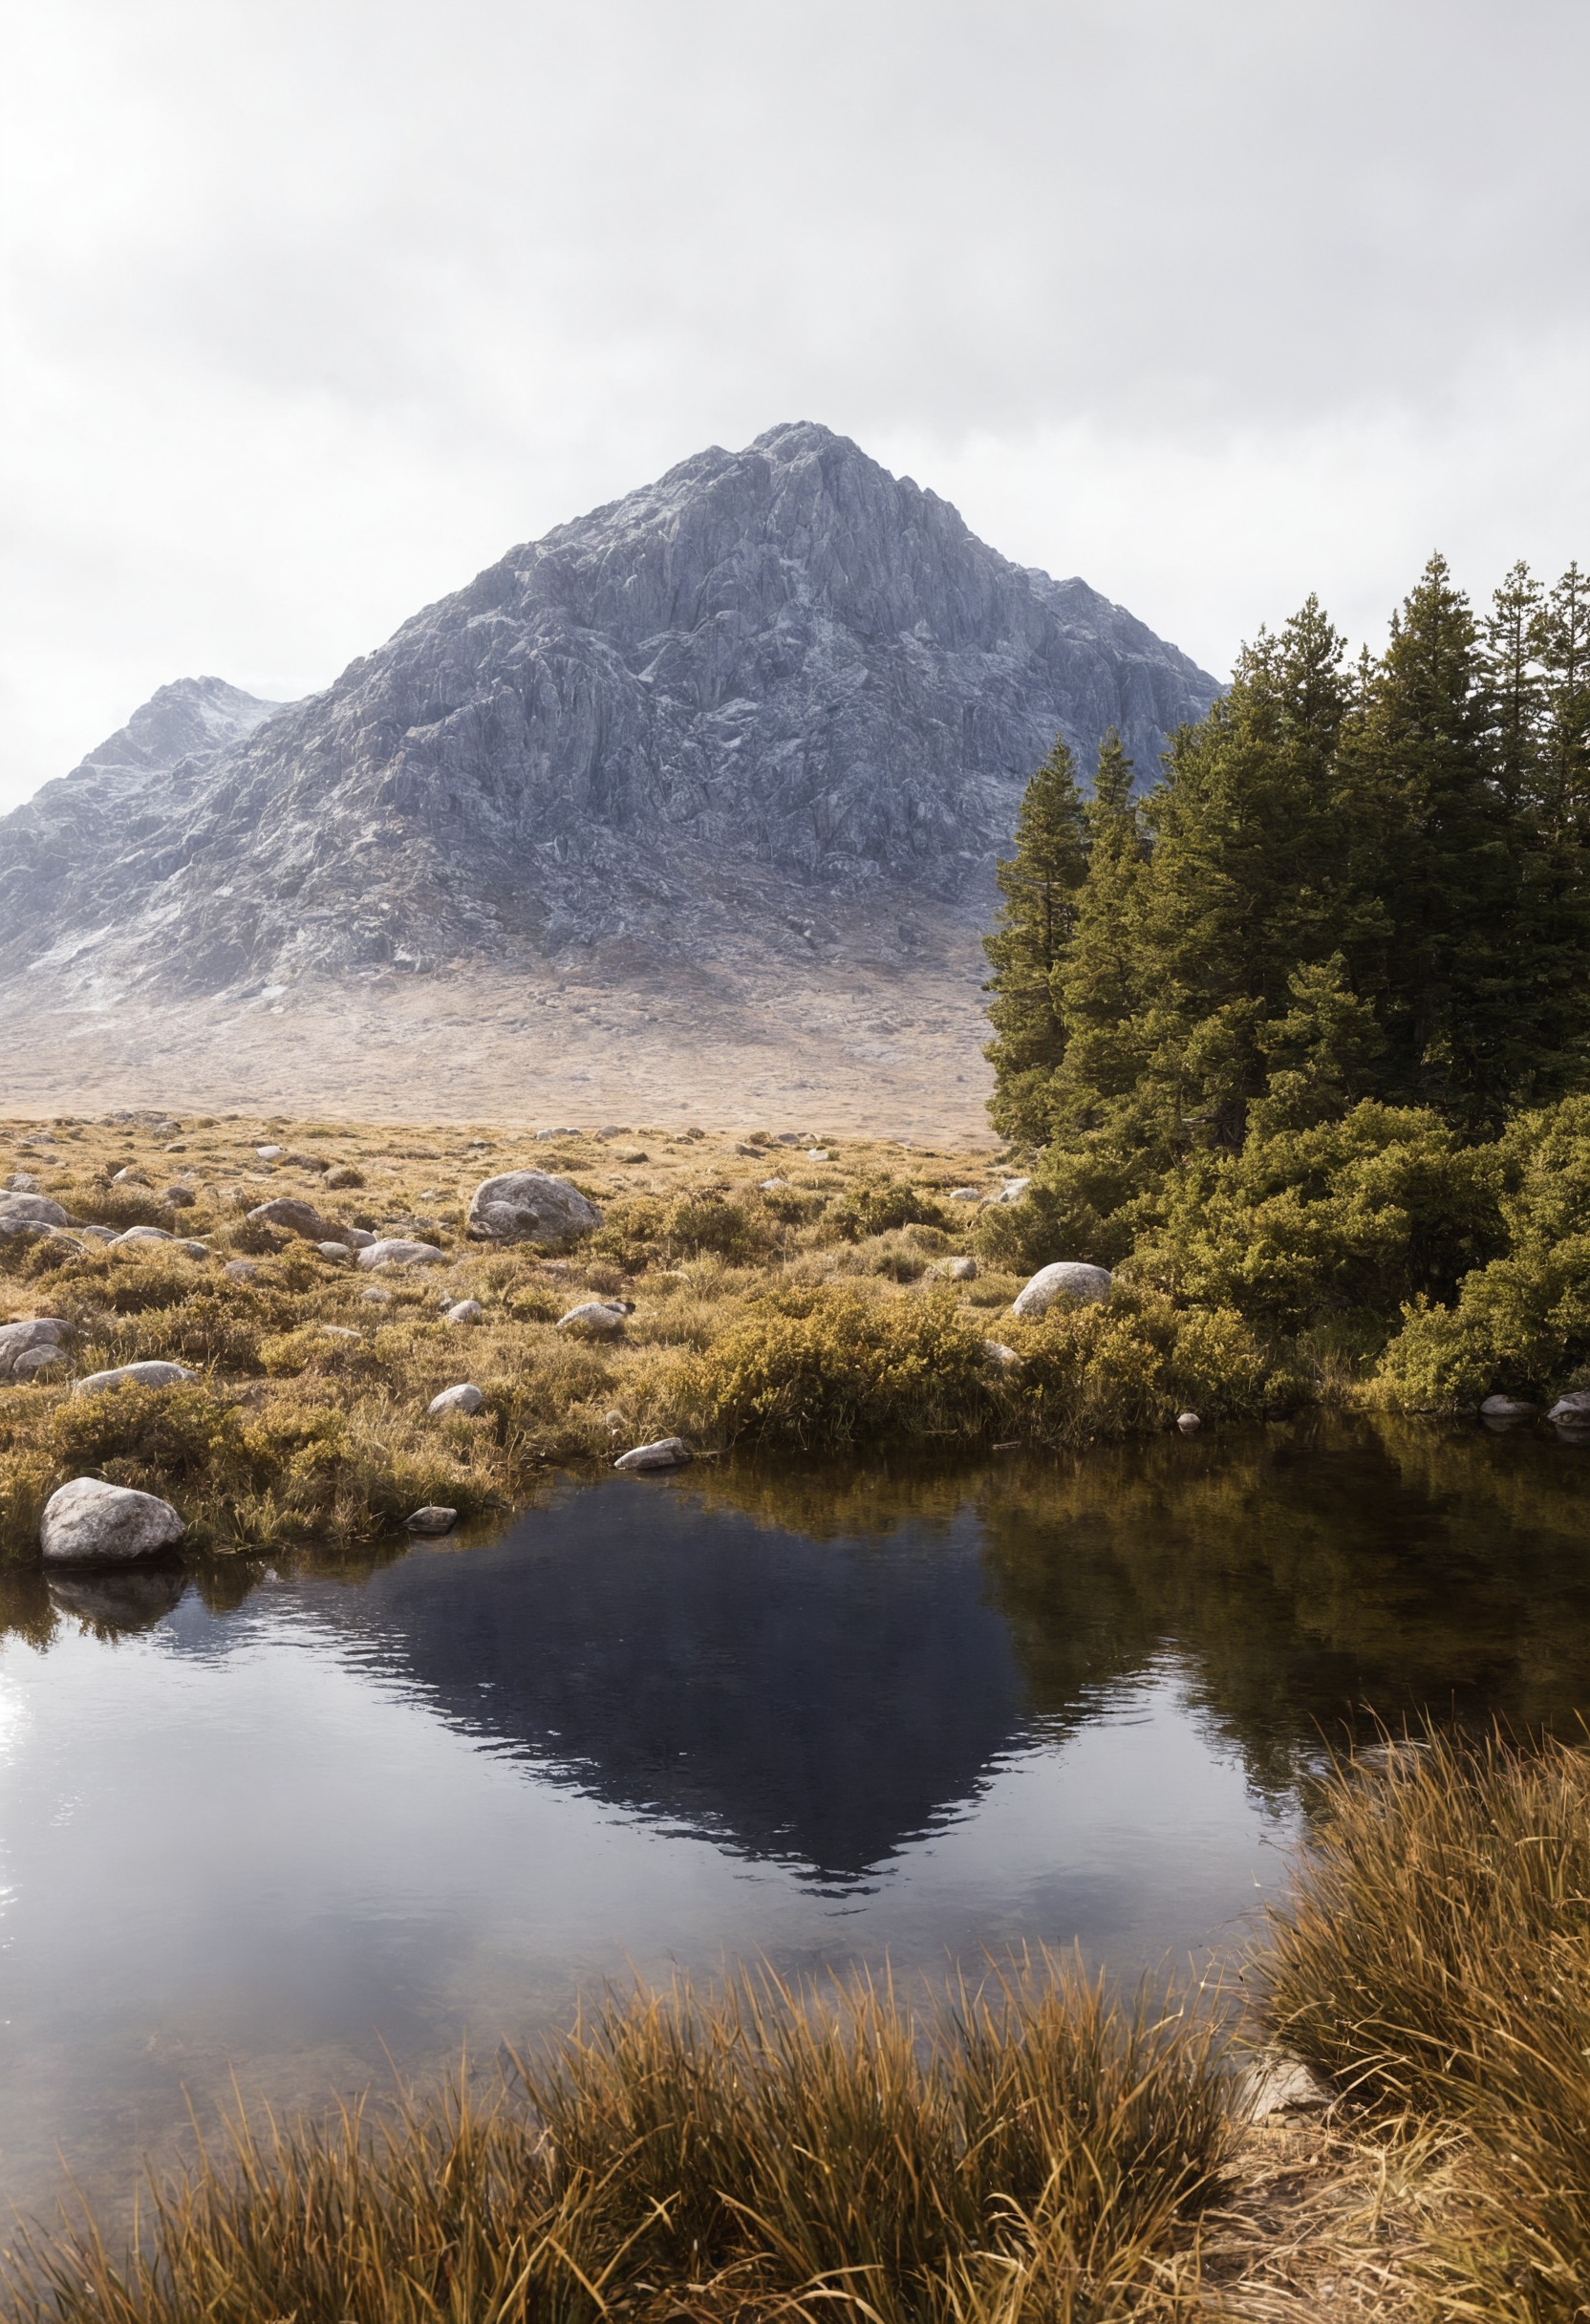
x=296, y=1824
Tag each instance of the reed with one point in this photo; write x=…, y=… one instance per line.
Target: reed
x=1035, y=2149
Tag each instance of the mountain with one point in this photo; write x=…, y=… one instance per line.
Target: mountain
x=778, y=696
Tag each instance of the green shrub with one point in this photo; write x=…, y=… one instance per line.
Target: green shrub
x=877, y=1205
x=1130, y=1364
x=707, y=1222
x=159, y=1439
x=824, y=1366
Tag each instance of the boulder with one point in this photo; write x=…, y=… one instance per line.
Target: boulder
x=465, y=1311
x=338, y=1253
x=194, y=1249
x=34, y=1362
x=29, y=1214
x=179, y=1198
x=376, y=1295
x=598, y=1314
x=137, y=1235
x=771, y=1186
x=358, y=1239
x=1189, y=1423
x=466, y=1397
x=667, y=1453
x=1507, y=1407
x=542, y=1134
x=242, y=1270
x=1067, y=1278
x=20, y=1183
x=150, y=1373
x=1012, y=1190
x=268, y=1153
x=999, y=1353
x=1277, y=2085
x=432, y=1519
x=33, y=1332
x=396, y=1251
x=96, y=1233
x=89, y=1522
x=1572, y=1410
x=530, y=1206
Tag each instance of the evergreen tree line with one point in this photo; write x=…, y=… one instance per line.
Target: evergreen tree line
x=1351, y=883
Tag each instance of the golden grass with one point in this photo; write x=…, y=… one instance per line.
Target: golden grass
x=808, y=1314
x=1036, y=2150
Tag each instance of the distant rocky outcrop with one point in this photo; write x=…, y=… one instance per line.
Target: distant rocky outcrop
x=777, y=688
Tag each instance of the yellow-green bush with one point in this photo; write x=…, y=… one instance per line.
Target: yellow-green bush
x=878, y=1205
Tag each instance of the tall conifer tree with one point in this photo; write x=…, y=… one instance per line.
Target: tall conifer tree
x=1038, y=885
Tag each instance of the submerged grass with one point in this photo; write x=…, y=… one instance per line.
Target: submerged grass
x=1036, y=2149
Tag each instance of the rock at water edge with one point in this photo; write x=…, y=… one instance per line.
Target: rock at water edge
x=89, y=1522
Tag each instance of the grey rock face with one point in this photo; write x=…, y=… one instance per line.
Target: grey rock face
x=30, y=1214
x=775, y=679
x=667, y=1453
x=530, y=1206
x=397, y=1251
x=89, y=1522
x=27, y=1337
x=150, y=1373
x=1067, y=1278
x=466, y=1398
x=433, y=1518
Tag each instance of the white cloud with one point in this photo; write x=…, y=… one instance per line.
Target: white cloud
x=313, y=307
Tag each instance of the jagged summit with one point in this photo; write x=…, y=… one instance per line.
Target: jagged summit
x=775, y=692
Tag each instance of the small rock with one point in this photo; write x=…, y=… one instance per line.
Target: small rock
x=1573, y=1408
x=789, y=1137
x=818, y=1154
x=1507, y=1407
x=340, y=1331
x=957, y=1270
x=466, y=1397
x=611, y=1130
x=557, y=1133
x=194, y=1249
x=242, y=1270
x=89, y=1522
x=338, y=1253
x=20, y=1183
x=598, y=1314
x=129, y=1176
x=771, y=1186
x=268, y=1153
x=179, y=1198
x=530, y=1206
x=1069, y=1278
x=134, y=1235
x=34, y=1361
x=465, y=1311
x=1012, y=1190
x=24, y=1338
x=999, y=1353
x=432, y=1519
x=668, y=1452
x=358, y=1239
x=1189, y=1423
x=376, y=1294
x=1279, y=2085
x=966, y=1194
x=96, y=1233
x=150, y=1373
x=295, y=1218
x=396, y=1251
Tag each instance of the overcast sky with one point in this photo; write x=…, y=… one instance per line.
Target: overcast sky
x=315, y=306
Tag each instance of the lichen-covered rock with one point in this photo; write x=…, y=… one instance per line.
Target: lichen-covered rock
x=295, y=1218
x=433, y=1518
x=530, y=1206
x=1067, y=1278
x=667, y=1453
x=465, y=1311
x=29, y=1214
x=89, y=1522
x=600, y=1316
x=396, y=1251
x=150, y=1373
x=466, y=1397
x=33, y=1332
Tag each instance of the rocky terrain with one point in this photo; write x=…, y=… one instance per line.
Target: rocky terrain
x=752, y=733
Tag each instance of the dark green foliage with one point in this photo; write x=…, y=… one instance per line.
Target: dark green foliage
x=1038, y=885
x=878, y=1205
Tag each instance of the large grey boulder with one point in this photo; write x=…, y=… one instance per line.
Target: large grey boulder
x=29, y=1214
x=601, y=1316
x=150, y=1373
x=1067, y=1278
x=32, y=1333
x=530, y=1206
x=89, y=1522
x=466, y=1398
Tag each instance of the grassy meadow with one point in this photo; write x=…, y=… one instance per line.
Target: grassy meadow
x=814, y=1313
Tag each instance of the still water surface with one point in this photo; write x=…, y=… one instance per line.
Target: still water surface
x=300, y=1823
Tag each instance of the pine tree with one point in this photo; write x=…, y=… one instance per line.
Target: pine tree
x=1040, y=885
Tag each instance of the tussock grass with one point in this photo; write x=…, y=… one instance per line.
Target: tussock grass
x=777, y=1301
x=1433, y=1960
x=1034, y=2150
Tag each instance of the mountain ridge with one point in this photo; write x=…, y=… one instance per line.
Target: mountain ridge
x=769, y=704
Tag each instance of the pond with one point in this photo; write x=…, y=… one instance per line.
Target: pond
x=309, y=1823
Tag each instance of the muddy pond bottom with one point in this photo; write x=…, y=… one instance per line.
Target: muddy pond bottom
x=309, y=1825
